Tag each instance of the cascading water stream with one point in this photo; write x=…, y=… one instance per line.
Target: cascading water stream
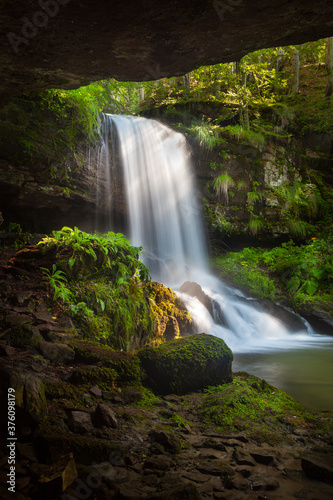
x=165, y=220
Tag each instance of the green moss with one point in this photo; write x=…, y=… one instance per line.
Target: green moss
x=264, y=412
x=104, y=378
x=187, y=364
x=24, y=335
x=170, y=316
x=126, y=365
x=55, y=390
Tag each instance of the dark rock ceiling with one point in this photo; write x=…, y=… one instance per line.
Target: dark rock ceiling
x=68, y=43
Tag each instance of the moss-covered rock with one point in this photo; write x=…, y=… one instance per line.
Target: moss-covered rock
x=95, y=375
x=171, y=318
x=126, y=366
x=28, y=392
x=265, y=413
x=188, y=364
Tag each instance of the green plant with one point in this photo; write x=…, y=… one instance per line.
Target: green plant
x=56, y=279
x=206, y=134
x=103, y=292
x=222, y=184
x=112, y=252
x=255, y=225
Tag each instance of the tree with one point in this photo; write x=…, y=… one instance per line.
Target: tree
x=329, y=66
x=295, y=71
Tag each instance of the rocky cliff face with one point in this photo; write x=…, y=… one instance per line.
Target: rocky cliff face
x=49, y=176
x=66, y=44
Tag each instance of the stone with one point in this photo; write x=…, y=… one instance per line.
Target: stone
x=187, y=365
x=205, y=31
x=6, y=350
x=13, y=320
x=104, y=470
x=169, y=440
x=55, y=351
x=265, y=484
x=194, y=290
x=79, y=422
x=95, y=391
x=23, y=335
x=58, y=477
x=196, y=477
x=44, y=317
x=104, y=416
x=157, y=462
x=242, y=458
x=263, y=459
x=319, y=467
x=211, y=443
x=22, y=298
x=29, y=395
x=180, y=492
x=208, y=468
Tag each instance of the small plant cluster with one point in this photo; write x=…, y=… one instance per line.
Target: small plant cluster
x=306, y=269
x=98, y=279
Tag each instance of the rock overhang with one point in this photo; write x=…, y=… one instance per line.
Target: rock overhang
x=66, y=43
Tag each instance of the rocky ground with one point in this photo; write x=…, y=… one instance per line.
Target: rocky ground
x=88, y=427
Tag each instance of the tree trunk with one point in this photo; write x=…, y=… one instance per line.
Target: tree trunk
x=295, y=71
x=141, y=93
x=187, y=82
x=329, y=66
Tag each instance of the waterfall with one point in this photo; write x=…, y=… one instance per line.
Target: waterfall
x=165, y=219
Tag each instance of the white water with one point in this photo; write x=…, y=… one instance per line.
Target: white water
x=166, y=221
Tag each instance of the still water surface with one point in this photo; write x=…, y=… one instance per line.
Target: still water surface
x=306, y=374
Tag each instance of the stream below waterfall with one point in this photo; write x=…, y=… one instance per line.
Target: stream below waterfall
x=165, y=219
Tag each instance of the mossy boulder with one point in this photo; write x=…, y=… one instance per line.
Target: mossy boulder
x=170, y=316
x=187, y=365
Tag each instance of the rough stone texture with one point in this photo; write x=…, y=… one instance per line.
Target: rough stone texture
x=29, y=395
x=79, y=422
x=104, y=416
x=195, y=290
x=70, y=44
x=56, y=479
x=318, y=467
x=188, y=364
x=55, y=351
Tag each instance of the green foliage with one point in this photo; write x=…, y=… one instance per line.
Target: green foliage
x=242, y=268
x=102, y=292
x=307, y=268
x=299, y=199
x=112, y=252
x=222, y=184
x=256, y=139
x=255, y=225
x=56, y=279
x=206, y=134
x=299, y=272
